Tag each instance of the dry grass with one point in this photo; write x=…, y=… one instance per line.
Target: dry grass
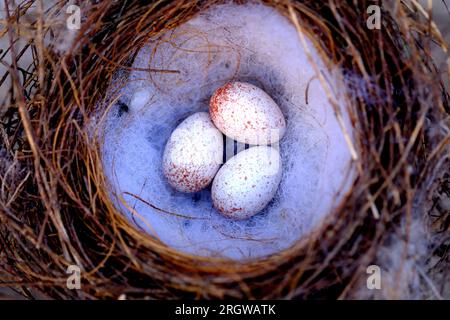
x=54, y=206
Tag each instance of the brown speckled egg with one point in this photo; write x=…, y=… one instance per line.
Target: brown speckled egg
x=193, y=153
x=247, y=114
x=247, y=182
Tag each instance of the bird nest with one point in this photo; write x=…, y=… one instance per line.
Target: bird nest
x=56, y=206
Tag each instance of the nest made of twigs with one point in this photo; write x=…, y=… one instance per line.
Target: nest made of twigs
x=55, y=210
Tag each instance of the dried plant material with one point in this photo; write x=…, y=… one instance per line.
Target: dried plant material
x=57, y=211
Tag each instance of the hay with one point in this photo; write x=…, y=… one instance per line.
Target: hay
x=55, y=209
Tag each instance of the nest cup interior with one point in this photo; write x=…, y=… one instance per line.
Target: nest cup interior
x=250, y=43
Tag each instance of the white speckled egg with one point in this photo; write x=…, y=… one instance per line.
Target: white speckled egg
x=193, y=153
x=247, y=182
x=247, y=114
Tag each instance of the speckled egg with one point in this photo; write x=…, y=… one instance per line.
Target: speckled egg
x=247, y=114
x=247, y=182
x=193, y=153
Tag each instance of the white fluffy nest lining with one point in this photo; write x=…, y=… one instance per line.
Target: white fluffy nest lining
x=227, y=42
